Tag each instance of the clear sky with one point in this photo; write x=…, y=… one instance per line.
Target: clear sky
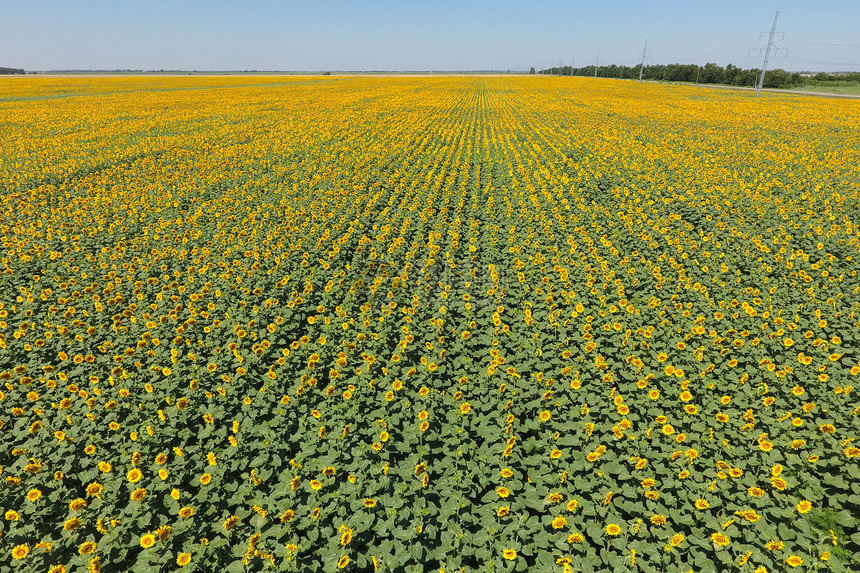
x=319, y=35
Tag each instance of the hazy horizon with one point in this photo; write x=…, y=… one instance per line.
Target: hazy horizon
x=264, y=35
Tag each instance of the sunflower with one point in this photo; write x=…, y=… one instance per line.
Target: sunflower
x=77, y=504
x=804, y=506
x=509, y=554
x=183, y=559
x=147, y=541
x=559, y=522
x=134, y=475
x=20, y=551
x=720, y=539
x=749, y=514
x=95, y=489
x=87, y=548
x=613, y=529
x=343, y=562
x=778, y=483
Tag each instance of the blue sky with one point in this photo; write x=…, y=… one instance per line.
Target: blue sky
x=427, y=35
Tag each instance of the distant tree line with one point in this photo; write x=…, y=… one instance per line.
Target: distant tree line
x=821, y=77
x=7, y=71
x=707, y=74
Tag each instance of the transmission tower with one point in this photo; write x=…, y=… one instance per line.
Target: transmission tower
x=767, y=50
x=642, y=65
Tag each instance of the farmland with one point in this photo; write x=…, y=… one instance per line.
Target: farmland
x=408, y=324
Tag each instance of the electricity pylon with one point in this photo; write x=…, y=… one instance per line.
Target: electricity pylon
x=767, y=49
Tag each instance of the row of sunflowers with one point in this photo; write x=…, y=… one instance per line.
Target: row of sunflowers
x=414, y=324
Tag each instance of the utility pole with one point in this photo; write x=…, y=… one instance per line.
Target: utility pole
x=597, y=63
x=642, y=64
x=571, y=64
x=766, y=55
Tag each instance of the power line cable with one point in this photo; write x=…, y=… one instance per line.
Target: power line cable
x=822, y=44
x=825, y=62
x=746, y=46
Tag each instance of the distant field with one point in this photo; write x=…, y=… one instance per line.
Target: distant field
x=849, y=88
x=427, y=324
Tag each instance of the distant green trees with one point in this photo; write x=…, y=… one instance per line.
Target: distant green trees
x=822, y=78
x=710, y=73
x=8, y=71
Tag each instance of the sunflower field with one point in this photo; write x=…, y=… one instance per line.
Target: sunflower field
x=427, y=324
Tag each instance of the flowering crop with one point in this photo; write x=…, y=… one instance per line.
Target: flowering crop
x=426, y=323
